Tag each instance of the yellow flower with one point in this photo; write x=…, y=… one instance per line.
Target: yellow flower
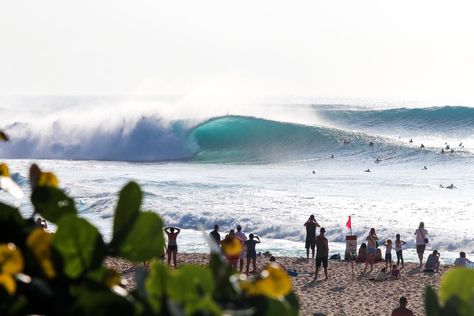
x=8, y=282
x=4, y=171
x=274, y=282
x=111, y=278
x=11, y=260
x=232, y=246
x=48, y=179
x=39, y=241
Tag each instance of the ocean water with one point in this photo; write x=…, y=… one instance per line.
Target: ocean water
x=254, y=166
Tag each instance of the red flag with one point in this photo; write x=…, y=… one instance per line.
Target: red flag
x=349, y=224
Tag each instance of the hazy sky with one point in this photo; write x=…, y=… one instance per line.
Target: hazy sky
x=362, y=49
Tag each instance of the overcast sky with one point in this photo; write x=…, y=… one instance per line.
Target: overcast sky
x=361, y=49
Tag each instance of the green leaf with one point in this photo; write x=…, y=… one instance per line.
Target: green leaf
x=155, y=285
x=431, y=302
x=458, y=282
x=80, y=245
x=52, y=203
x=99, y=301
x=204, y=306
x=144, y=240
x=11, y=225
x=128, y=208
x=190, y=283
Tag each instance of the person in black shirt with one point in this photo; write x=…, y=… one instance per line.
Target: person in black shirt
x=215, y=235
x=310, y=225
x=322, y=253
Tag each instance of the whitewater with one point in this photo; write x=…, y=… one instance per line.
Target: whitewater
x=266, y=166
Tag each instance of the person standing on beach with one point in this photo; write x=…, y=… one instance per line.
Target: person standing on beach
x=172, y=249
x=388, y=254
x=215, y=235
x=399, y=249
x=251, y=252
x=322, y=253
x=310, y=225
x=243, y=254
x=421, y=242
x=371, y=249
x=402, y=310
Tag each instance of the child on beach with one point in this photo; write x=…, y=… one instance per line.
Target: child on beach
x=399, y=249
x=395, y=274
x=381, y=276
x=388, y=254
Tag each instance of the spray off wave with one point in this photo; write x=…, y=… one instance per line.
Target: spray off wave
x=245, y=139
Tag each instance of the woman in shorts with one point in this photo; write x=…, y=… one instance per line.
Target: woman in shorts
x=371, y=249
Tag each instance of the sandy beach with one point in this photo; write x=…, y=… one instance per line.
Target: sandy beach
x=343, y=293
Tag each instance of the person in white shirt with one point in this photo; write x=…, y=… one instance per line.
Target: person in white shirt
x=421, y=241
x=462, y=261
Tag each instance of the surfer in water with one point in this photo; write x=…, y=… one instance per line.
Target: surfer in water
x=442, y=151
x=332, y=157
x=371, y=144
x=368, y=170
x=422, y=146
x=411, y=140
x=451, y=186
x=378, y=160
x=424, y=168
x=346, y=142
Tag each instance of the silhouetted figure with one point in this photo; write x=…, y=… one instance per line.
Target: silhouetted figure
x=411, y=140
x=371, y=144
x=424, y=168
x=368, y=170
x=422, y=146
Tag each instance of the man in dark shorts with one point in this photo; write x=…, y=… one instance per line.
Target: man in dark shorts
x=251, y=252
x=310, y=225
x=215, y=235
x=322, y=253
x=402, y=310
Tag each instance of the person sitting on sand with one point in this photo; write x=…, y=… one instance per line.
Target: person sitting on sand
x=402, y=310
x=462, y=261
x=273, y=260
x=388, y=254
x=395, y=273
x=432, y=263
x=243, y=254
x=322, y=253
x=421, y=241
x=41, y=223
x=371, y=249
x=215, y=235
x=399, y=249
x=251, y=252
x=172, y=249
x=362, y=254
x=310, y=225
x=381, y=276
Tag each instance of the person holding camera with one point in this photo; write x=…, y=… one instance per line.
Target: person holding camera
x=421, y=241
x=310, y=225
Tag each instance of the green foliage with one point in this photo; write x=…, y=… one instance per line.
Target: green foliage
x=52, y=203
x=456, y=294
x=64, y=274
x=79, y=244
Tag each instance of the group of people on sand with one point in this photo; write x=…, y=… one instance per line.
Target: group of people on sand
x=248, y=245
